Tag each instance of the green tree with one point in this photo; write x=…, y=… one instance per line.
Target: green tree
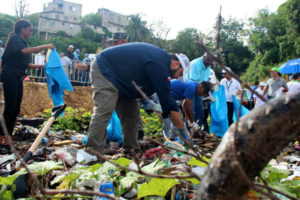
x=185, y=43
x=92, y=19
x=136, y=29
x=234, y=53
x=88, y=33
x=6, y=26
x=34, y=20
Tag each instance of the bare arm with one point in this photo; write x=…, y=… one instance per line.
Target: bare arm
x=29, y=50
x=176, y=119
x=187, y=109
x=265, y=90
x=34, y=66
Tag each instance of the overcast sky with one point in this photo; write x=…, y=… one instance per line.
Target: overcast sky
x=176, y=15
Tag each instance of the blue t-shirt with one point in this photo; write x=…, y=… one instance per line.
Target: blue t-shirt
x=181, y=90
x=146, y=64
x=86, y=60
x=198, y=72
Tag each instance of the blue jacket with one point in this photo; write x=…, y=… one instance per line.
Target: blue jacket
x=146, y=64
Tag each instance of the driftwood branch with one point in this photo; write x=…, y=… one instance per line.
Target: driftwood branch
x=261, y=135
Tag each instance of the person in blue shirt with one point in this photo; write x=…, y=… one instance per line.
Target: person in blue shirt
x=188, y=91
x=198, y=72
x=112, y=75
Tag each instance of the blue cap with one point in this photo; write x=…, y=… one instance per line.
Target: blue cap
x=86, y=54
x=77, y=50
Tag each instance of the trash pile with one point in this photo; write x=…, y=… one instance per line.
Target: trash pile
x=61, y=162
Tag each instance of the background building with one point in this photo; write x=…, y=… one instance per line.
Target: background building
x=60, y=15
x=115, y=22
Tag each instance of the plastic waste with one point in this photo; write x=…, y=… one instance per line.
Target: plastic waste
x=84, y=157
x=114, y=129
x=219, y=119
x=6, y=158
x=45, y=140
x=106, y=187
x=198, y=170
x=65, y=155
x=79, y=138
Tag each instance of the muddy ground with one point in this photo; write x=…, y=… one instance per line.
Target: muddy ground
x=36, y=99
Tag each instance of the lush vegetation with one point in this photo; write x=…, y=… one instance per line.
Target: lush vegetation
x=72, y=119
x=249, y=48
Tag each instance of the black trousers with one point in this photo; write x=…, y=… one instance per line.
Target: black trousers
x=230, y=112
x=13, y=94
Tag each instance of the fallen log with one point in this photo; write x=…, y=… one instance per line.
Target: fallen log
x=260, y=136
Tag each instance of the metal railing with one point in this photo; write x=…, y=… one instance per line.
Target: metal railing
x=76, y=76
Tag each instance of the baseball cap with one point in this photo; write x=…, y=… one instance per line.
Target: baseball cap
x=86, y=54
x=184, y=60
x=71, y=46
x=223, y=71
x=77, y=50
x=208, y=86
x=276, y=69
x=262, y=84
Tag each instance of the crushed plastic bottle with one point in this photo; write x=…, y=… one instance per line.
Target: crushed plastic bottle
x=104, y=187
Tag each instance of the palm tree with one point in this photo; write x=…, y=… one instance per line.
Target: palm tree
x=136, y=29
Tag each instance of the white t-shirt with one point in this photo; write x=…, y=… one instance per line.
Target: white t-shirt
x=231, y=88
x=259, y=102
x=39, y=59
x=212, y=77
x=294, y=87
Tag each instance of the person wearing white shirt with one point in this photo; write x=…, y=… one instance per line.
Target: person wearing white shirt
x=257, y=101
x=39, y=59
x=294, y=85
x=66, y=63
x=232, y=87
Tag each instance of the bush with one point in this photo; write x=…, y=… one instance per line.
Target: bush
x=73, y=119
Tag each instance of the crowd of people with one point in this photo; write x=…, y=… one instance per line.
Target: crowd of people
x=183, y=88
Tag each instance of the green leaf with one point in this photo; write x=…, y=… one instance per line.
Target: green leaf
x=6, y=194
x=94, y=167
x=157, y=187
x=196, y=162
x=193, y=180
x=153, y=167
x=122, y=161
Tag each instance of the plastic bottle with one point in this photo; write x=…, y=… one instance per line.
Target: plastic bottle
x=80, y=139
x=107, y=188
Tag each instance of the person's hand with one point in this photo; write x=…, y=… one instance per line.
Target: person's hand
x=184, y=133
x=50, y=46
x=190, y=124
x=80, y=66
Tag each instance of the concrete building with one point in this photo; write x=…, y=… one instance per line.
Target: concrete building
x=115, y=22
x=60, y=15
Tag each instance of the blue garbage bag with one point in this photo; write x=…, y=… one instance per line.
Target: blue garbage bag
x=236, y=106
x=57, y=79
x=218, y=109
x=114, y=129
